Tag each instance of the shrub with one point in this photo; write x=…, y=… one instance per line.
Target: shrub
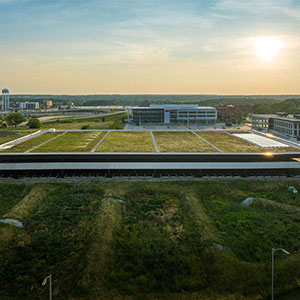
x=34, y=123
x=85, y=126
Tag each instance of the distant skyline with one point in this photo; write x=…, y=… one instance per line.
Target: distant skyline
x=221, y=47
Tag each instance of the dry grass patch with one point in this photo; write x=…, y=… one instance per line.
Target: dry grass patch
x=181, y=142
x=100, y=254
x=29, y=202
x=197, y=217
x=73, y=142
x=127, y=142
x=273, y=205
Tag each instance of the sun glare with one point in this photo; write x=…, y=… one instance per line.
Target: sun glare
x=267, y=48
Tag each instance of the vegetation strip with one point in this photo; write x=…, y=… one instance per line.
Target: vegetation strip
x=35, y=147
x=30, y=143
x=128, y=141
x=228, y=143
x=101, y=253
x=203, y=139
x=169, y=141
x=23, y=208
x=99, y=143
x=73, y=142
x=10, y=135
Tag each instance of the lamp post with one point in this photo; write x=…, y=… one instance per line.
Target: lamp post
x=273, y=254
x=50, y=285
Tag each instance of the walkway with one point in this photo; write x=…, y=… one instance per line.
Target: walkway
x=38, y=146
x=100, y=142
x=154, y=142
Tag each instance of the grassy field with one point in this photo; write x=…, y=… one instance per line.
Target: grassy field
x=230, y=143
x=35, y=141
x=10, y=135
x=73, y=142
x=180, y=142
x=127, y=142
x=112, y=121
x=176, y=240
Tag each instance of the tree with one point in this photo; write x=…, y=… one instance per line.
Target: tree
x=34, y=123
x=15, y=119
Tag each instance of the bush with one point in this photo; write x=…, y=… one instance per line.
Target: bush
x=85, y=126
x=34, y=123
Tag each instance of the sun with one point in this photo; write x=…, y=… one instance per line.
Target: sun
x=267, y=48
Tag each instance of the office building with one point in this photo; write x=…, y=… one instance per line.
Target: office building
x=173, y=113
x=282, y=124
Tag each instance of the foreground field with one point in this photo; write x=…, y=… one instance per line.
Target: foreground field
x=73, y=142
x=149, y=240
x=180, y=142
x=127, y=142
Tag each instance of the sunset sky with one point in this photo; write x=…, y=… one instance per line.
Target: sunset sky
x=150, y=46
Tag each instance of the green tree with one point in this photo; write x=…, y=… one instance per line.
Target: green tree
x=34, y=123
x=15, y=119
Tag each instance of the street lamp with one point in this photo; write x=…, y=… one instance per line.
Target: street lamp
x=50, y=285
x=273, y=254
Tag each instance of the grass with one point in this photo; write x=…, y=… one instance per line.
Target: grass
x=181, y=142
x=24, y=207
x=157, y=243
x=127, y=142
x=10, y=135
x=10, y=195
x=35, y=141
x=100, y=253
x=112, y=121
x=73, y=142
x=230, y=143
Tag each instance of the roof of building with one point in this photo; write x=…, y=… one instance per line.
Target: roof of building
x=180, y=106
x=274, y=116
x=5, y=91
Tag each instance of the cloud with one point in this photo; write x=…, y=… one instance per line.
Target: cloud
x=260, y=7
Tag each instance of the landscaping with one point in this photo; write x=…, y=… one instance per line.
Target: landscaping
x=156, y=240
x=109, y=121
x=230, y=143
x=73, y=142
x=180, y=142
x=127, y=142
x=10, y=135
x=32, y=142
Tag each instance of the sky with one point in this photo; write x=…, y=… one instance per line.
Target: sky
x=150, y=46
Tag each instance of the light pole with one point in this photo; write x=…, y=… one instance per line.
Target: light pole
x=273, y=254
x=50, y=285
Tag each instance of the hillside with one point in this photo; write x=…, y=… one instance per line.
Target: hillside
x=149, y=240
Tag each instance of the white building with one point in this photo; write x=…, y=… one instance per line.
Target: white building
x=28, y=105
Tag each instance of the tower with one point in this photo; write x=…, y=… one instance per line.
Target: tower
x=5, y=100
